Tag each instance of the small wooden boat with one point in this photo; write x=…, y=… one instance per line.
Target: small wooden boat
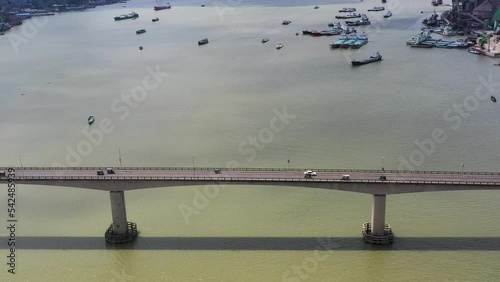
x=155, y=19
x=203, y=41
x=388, y=14
x=316, y=7
x=140, y=31
x=493, y=99
x=279, y=46
x=91, y=119
x=265, y=40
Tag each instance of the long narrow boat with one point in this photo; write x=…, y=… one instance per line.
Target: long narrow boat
x=375, y=56
x=336, y=44
x=132, y=15
x=350, y=40
x=162, y=7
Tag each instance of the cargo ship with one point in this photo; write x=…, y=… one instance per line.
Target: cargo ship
x=132, y=15
x=162, y=7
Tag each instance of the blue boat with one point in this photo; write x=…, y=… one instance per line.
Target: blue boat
x=362, y=40
x=336, y=44
x=350, y=40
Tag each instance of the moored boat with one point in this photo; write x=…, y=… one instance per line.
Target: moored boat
x=421, y=45
x=349, y=16
x=306, y=31
x=286, y=22
x=203, y=41
x=375, y=56
x=376, y=9
x=132, y=15
x=347, y=10
x=336, y=44
x=388, y=14
x=155, y=19
x=162, y=7
x=360, y=41
x=279, y=46
x=350, y=40
x=140, y=31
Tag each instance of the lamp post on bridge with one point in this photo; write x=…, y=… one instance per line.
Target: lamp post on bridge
x=194, y=170
x=289, y=159
x=383, y=169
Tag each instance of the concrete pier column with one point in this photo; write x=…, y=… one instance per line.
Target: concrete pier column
x=118, y=211
x=378, y=214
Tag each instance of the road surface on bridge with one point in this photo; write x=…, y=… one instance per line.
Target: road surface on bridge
x=488, y=178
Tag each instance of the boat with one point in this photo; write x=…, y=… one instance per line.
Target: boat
x=374, y=57
x=140, y=31
x=349, y=16
x=155, y=19
x=350, y=40
x=316, y=7
x=360, y=41
x=421, y=45
x=363, y=21
x=474, y=51
x=376, y=9
x=434, y=3
x=347, y=10
x=90, y=120
x=132, y=15
x=279, y=46
x=286, y=22
x=388, y=14
x=265, y=40
x=306, y=31
x=493, y=99
x=162, y=7
x=338, y=43
x=203, y=41
x=140, y=48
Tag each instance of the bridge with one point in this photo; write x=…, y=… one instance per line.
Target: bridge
x=362, y=181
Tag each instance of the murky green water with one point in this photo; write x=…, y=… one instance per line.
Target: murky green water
x=215, y=100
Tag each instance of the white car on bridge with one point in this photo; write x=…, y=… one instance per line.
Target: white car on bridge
x=309, y=173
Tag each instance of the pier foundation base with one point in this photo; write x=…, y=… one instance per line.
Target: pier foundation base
x=114, y=237
x=384, y=239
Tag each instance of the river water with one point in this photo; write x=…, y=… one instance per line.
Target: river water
x=238, y=102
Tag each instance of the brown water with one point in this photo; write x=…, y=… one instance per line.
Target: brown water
x=213, y=100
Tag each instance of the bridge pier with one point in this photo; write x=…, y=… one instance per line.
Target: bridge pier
x=377, y=231
x=120, y=231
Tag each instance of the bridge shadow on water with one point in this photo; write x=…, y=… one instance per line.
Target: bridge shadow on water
x=258, y=243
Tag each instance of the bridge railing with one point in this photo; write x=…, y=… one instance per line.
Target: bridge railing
x=250, y=179
x=264, y=170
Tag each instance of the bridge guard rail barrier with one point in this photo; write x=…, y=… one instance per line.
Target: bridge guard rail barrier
x=249, y=179
x=258, y=169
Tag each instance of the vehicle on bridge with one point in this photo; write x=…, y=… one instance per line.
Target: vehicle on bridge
x=309, y=174
x=100, y=172
x=110, y=170
x=382, y=177
x=2, y=173
x=346, y=177
x=217, y=170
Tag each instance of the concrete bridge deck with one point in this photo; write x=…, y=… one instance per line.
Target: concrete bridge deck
x=364, y=181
